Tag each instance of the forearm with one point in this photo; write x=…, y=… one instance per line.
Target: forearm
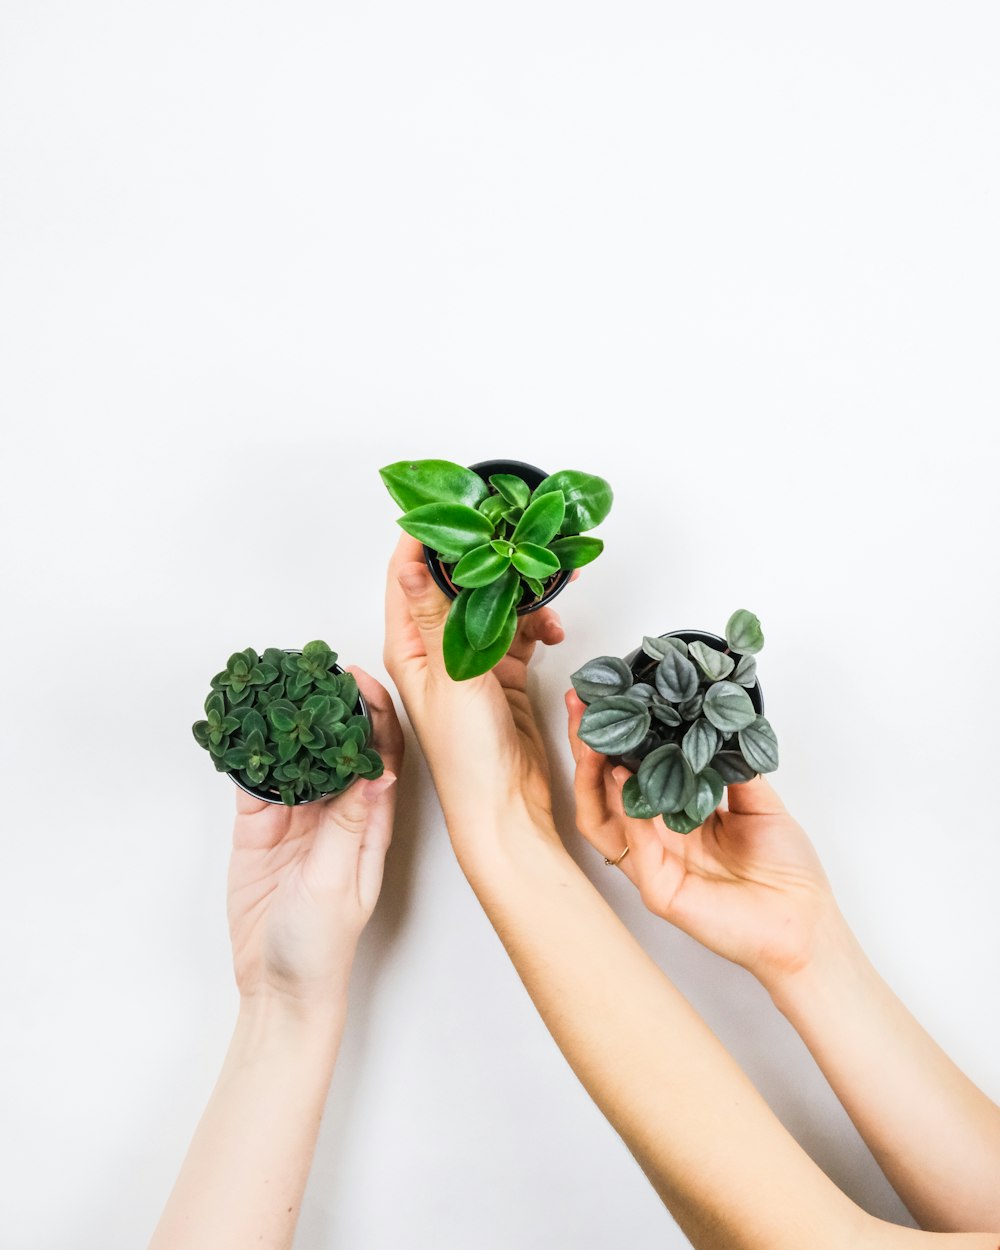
x=934, y=1133
x=722, y=1163
x=242, y=1181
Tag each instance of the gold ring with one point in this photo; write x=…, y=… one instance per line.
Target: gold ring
x=613, y=863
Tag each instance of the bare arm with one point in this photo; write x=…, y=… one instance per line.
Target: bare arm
x=729, y=1172
x=303, y=882
x=750, y=886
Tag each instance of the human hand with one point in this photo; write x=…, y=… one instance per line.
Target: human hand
x=304, y=880
x=746, y=883
x=479, y=737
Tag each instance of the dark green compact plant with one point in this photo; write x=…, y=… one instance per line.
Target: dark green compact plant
x=502, y=546
x=685, y=714
x=289, y=726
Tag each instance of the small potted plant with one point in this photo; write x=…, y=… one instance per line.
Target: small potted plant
x=685, y=713
x=288, y=726
x=501, y=538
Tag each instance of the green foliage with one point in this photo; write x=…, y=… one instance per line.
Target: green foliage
x=288, y=724
x=682, y=719
x=501, y=545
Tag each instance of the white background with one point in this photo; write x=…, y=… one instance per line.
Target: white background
x=741, y=259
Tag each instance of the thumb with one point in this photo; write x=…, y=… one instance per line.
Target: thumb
x=427, y=605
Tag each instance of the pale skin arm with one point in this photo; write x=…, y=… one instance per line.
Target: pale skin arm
x=723, y=1164
x=749, y=885
x=303, y=882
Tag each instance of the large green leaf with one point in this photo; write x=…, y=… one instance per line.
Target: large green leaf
x=714, y=664
x=614, y=725
x=743, y=632
x=708, y=788
x=759, y=745
x=728, y=707
x=601, y=677
x=480, y=566
x=588, y=498
x=461, y=659
x=676, y=677
x=575, y=552
x=700, y=743
x=633, y=802
x=450, y=529
x=733, y=768
x=535, y=561
x=541, y=520
x=490, y=606
x=666, y=779
x=413, y=483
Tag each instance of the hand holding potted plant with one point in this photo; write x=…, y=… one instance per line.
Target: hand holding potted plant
x=685, y=714
x=500, y=538
x=288, y=726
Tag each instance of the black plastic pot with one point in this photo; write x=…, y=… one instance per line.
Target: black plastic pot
x=643, y=665
x=441, y=572
x=272, y=796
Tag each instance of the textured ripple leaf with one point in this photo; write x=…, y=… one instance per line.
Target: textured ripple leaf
x=665, y=712
x=760, y=746
x=676, y=677
x=692, y=709
x=700, y=743
x=633, y=802
x=450, y=529
x=489, y=607
x=745, y=673
x=614, y=725
x=733, y=768
x=588, y=498
x=460, y=658
x=707, y=795
x=714, y=664
x=666, y=779
x=743, y=632
x=657, y=648
x=604, y=676
x=413, y=483
x=680, y=822
x=728, y=707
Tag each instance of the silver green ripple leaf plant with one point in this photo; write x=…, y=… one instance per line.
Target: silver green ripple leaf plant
x=682, y=716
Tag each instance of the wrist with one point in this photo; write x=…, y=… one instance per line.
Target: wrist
x=270, y=1020
x=835, y=970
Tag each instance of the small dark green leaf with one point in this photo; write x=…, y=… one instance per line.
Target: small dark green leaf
x=575, y=552
x=680, y=822
x=634, y=803
x=700, y=743
x=743, y=632
x=215, y=703
x=676, y=677
x=732, y=768
x=514, y=489
x=614, y=725
x=708, y=788
x=535, y=561
x=541, y=521
x=666, y=779
x=237, y=757
x=480, y=566
x=714, y=664
x=200, y=730
x=412, y=483
x=588, y=499
x=604, y=676
x=759, y=745
x=728, y=707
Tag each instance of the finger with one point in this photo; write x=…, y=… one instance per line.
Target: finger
x=247, y=804
x=543, y=626
x=346, y=822
x=387, y=736
x=428, y=608
x=755, y=798
x=402, y=637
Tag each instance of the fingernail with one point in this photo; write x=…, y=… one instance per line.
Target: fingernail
x=373, y=789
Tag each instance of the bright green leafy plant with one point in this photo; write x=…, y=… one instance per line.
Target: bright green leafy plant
x=501, y=545
x=288, y=725
x=683, y=720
